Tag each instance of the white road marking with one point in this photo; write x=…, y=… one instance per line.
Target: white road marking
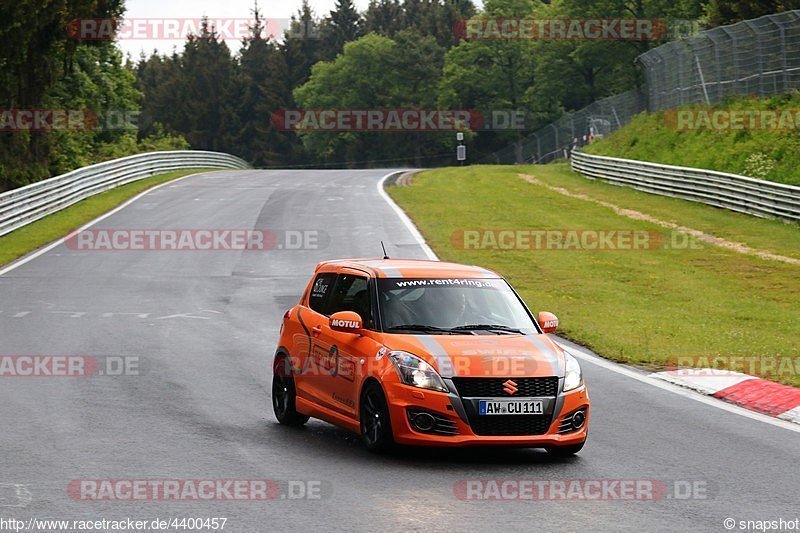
x=404, y=218
x=703, y=380
x=21, y=493
x=590, y=358
x=792, y=416
x=137, y=315
x=183, y=315
x=70, y=314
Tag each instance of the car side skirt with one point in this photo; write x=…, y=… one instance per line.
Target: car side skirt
x=313, y=410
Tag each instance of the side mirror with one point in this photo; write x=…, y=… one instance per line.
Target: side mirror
x=346, y=322
x=548, y=321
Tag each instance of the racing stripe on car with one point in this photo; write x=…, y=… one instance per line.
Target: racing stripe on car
x=485, y=271
x=384, y=271
x=445, y=365
x=392, y=273
x=549, y=352
x=375, y=272
x=372, y=265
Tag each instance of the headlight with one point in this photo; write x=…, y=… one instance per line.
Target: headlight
x=416, y=372
x=573, y=378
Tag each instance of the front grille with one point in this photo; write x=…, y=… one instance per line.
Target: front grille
x=509, y=425
x=493, y=387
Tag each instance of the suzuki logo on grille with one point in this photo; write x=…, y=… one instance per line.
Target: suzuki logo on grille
x=510, y=387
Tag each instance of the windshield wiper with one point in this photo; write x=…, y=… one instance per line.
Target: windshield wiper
x=419, y=327
x=488, y=327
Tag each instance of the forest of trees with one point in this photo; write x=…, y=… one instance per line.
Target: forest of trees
x=398, y=54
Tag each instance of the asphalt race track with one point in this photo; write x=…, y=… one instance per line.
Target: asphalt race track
x=205, y=324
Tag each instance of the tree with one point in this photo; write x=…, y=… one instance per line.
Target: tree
x=722, y=12
x=492, y=75
x=262, y=90
x=36, y=52
x=342, y=25
x=376, y=72
x=301, y=45
x=384, y=17
x=438, y=18
x=103, y=87
x=158, y=78
x=204, y=104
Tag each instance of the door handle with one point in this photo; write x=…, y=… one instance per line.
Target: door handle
x=316, y=330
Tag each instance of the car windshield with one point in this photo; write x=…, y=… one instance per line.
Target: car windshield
x=452, y=306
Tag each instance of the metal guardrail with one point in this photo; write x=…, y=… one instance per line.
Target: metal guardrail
x=19, y=207
x=729, y=191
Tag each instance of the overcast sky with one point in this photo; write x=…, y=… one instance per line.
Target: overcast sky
x=219, y=9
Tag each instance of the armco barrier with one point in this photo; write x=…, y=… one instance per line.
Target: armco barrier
x=22, y=206
x=730, y=191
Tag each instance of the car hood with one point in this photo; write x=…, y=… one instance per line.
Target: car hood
x=486, y=355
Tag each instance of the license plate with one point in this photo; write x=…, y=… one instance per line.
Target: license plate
x=511, y=407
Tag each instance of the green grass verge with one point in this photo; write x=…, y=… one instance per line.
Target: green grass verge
x=52, y=227
x=771, y=154
x=640, y=307
x=771, y=235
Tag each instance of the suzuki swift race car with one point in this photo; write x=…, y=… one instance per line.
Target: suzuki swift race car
x=426, y=353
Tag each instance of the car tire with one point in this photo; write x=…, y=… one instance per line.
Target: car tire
x=565, y=451
x=376, y=426
x=284, y=395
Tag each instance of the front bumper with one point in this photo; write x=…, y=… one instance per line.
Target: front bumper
x=403, y=399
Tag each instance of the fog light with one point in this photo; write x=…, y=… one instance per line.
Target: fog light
x=578, y=419
x=424, y=421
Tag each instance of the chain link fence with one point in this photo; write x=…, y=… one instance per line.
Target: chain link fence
x=759, y=57
x=573, y=130
x=754, y=57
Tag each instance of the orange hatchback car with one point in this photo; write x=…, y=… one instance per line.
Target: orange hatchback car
x=427, y=353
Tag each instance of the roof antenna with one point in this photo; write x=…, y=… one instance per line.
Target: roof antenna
x=385, y=255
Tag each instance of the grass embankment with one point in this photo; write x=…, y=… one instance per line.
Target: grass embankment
x=642, y=307
x=52, y=227
x=763, y=151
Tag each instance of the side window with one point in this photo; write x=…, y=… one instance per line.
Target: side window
x=351, y=293
x=321, y=292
